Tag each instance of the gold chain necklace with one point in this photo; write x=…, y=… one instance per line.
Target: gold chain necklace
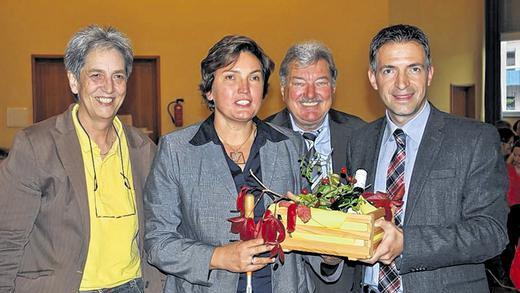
x=235, y=154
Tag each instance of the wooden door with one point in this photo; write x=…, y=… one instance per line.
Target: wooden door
x=51, y=91
x=52, y=95
x=462, y=100
x=142, y=96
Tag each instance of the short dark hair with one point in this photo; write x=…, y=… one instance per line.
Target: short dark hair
x=96, y=37
x=307, y=53
x=505, y=134
x=502, y=124
x=516, y=143
x=516, y=126
x=400, y=33
x=225, y=52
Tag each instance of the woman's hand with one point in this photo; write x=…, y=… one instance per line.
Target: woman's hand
x=239, y=257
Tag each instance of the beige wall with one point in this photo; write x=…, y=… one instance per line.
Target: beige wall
x=181, y=32
x=455, y=31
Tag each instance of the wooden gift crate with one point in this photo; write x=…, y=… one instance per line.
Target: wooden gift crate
x=334, y=233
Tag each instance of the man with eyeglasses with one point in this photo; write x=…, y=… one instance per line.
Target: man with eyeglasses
x=70, y=197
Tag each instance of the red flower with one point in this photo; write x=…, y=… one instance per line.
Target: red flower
x=382, y=200
x=343, y=170
x=273, y=233
x=291, y=218
x=243, y=226
x=240, y=199
x=272, y=230
x=293, y=210
x=305, y=191
x=269, y=227
x=304, y=213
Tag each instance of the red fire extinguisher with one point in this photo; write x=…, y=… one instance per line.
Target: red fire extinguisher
x=176, y=112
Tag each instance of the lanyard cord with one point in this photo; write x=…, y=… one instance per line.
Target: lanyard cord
x=125, y=180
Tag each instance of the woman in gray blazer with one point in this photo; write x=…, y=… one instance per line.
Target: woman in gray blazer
x=199, y=170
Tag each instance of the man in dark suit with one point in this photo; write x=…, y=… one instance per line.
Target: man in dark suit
x=71, y=215
x=308, y=83
x=447, y=170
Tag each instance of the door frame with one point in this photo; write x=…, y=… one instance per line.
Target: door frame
x=34, y=57
x=470, y=93
x=155, y=58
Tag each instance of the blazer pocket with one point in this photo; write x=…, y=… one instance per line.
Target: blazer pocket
x=471, y=284
x=442, y=173
x=35, y=274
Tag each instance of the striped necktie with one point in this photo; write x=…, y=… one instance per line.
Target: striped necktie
x=310, y=138
x=389, y=279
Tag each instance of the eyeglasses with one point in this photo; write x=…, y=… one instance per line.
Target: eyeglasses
x=103, y=210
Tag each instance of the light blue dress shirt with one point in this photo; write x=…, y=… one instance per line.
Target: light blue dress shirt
x=414, y=130
x=322, y=144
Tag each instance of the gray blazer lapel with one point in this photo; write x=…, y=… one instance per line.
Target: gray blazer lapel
x=268, y=158
x=371, y=150
x=220, y=167
x=338, y=142
x=428, y=149
x=282, y=119
x=69, y=150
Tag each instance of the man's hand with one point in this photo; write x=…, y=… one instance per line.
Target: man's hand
x=239, y=257
x=390, y=247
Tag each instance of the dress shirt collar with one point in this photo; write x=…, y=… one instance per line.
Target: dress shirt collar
x=84, y=138
x=207, y=132
x=324, y=125
x=413, y=129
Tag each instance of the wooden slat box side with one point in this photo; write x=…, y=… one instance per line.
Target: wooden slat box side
x=334, y=233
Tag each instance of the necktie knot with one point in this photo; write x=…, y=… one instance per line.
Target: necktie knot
x=400, y=137
x=309, y=136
